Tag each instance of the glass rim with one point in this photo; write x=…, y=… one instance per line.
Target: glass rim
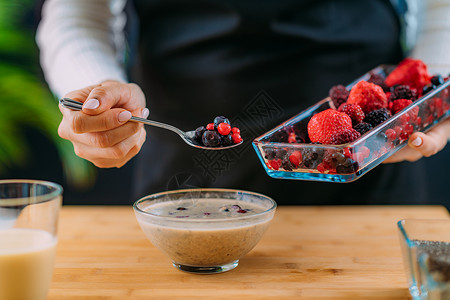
x=404, y=232
x=57, y=191
x=183, y=220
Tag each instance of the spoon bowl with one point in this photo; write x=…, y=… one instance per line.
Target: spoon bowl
x=188, y=136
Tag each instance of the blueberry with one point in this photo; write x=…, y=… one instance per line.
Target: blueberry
x=220, y=119
x=437, y=80
x=211, y=138
x=199, y=133
x=428, y=88
x=227, y=140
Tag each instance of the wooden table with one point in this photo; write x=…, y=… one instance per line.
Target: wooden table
x=308, y=252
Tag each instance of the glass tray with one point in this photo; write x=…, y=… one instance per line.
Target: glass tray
x=347, y=162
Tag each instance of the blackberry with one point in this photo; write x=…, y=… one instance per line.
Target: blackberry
x=280, y=153
x=226, y=140
x=286, y=164
x=269, y=153
x=334, y=158
x=199, y=133
x=347, y=166
x=211, y=138
x=363, y=127
x=378, y=116
x=437, y=80
x=220, y=119
x=403, y=92
x=311, y=157
x=378, y=79
x=338, y=95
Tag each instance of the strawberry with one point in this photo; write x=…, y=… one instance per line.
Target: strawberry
x=368, y=96
x=410, y=72
x=326, y=123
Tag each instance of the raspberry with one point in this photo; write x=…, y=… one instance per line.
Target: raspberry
x=391, y=134
x=378, y=79
x=295, y=158
x=399, y=104
x=338, y=95
x=363, y=127
x=365, y=151
x=224, y=128
x=344, y=137
x=235, y=130
x=367, y=95
x=403, y=92
x=210, y=126
x=410, y=72
x=409, y=129
x=236, y=138
x=377, y=116
x=275, y=163
x=324, y=124
x=354, y=111
x=292, y=138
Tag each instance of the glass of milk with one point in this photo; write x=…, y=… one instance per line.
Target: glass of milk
x=29, y=212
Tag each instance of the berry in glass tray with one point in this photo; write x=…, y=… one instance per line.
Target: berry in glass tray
x=344, y=136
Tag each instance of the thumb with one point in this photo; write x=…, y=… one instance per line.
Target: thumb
x=432, y=142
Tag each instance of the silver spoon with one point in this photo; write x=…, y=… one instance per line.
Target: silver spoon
x=188, y=137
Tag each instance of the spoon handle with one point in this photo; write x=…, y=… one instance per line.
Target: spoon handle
x=75, y=105
x=158, y=124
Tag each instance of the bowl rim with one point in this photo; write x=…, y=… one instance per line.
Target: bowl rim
x=205, y=220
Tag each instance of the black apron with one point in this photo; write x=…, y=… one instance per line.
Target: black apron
x=257, y=63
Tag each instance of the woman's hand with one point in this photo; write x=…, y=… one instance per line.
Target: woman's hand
x=101, y=132
x=423, y=144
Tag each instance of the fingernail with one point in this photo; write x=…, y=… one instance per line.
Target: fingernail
x=417, y=142
x=124, y=116
x=91, y=104
x=145, y=112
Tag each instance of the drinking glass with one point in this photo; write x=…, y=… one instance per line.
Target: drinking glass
x=29, y=212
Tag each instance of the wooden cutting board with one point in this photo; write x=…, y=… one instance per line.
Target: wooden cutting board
x=307, y=253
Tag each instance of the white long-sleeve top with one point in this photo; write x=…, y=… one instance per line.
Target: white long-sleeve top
x=82, y=42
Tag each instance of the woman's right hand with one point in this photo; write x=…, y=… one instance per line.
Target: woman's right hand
x=101, y=132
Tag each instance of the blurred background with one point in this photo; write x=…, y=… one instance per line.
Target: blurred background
x=30, y=147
